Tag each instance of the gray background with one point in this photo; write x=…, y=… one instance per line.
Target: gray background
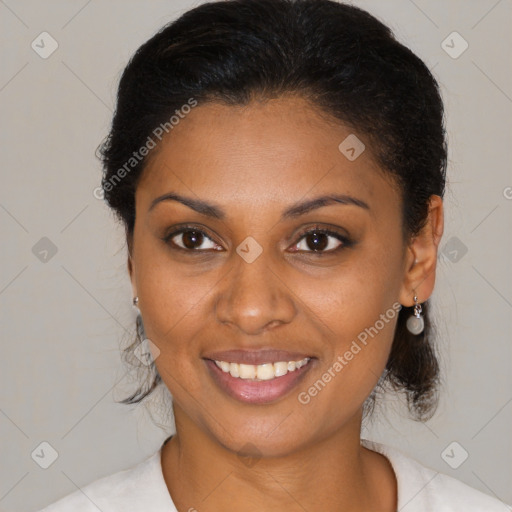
x=63, y=320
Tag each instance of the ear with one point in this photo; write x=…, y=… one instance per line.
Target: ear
x=421, y=257
x=131, y=271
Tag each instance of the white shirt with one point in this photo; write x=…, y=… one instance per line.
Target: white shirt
x=142, y=488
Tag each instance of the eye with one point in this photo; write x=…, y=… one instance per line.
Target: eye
x=320, y=241
x=316, y=241
x=191, y=239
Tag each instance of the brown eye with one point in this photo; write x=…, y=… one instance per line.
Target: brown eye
x=191, y=240
x=321, y=241
x=317, y=241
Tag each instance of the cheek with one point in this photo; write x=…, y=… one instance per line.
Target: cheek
x=171, y=302
x=354, y=296
x=356, y=311
x=358, y=322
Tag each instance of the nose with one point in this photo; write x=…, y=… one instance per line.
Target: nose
x=254, y=297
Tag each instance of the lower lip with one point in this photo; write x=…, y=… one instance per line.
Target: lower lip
x=257, y=392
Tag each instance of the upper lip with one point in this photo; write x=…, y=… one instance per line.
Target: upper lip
x=255, y=357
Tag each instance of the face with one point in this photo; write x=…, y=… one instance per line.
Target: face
x=264, y=275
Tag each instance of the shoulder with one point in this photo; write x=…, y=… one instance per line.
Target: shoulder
x=421, y=489
x=129, y=490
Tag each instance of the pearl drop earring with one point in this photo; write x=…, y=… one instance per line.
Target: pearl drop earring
x=135, y=301
x=415, y=323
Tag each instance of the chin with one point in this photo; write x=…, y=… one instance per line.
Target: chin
x=275, y=435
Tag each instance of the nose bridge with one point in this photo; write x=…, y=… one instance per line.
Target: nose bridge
x=254, y=297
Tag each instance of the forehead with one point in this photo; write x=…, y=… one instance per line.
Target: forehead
x=273, y=151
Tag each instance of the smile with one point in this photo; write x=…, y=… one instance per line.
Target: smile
x=258, y=384
x=266, y=371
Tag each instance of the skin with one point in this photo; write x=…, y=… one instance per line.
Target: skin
x=254, y=162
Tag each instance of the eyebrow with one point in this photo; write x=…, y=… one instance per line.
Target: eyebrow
x=296, y=210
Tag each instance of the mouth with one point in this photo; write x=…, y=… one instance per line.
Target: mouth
x=267, y=380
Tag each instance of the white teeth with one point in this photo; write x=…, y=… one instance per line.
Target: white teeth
x=266, y=371
x=281, y=368
x=234, y=370
x=247, y=371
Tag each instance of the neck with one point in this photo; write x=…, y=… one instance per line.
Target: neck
x=333, y=474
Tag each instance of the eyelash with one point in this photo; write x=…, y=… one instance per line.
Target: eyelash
x=345, y=241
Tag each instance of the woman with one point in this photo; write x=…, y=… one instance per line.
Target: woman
x=279, y=167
